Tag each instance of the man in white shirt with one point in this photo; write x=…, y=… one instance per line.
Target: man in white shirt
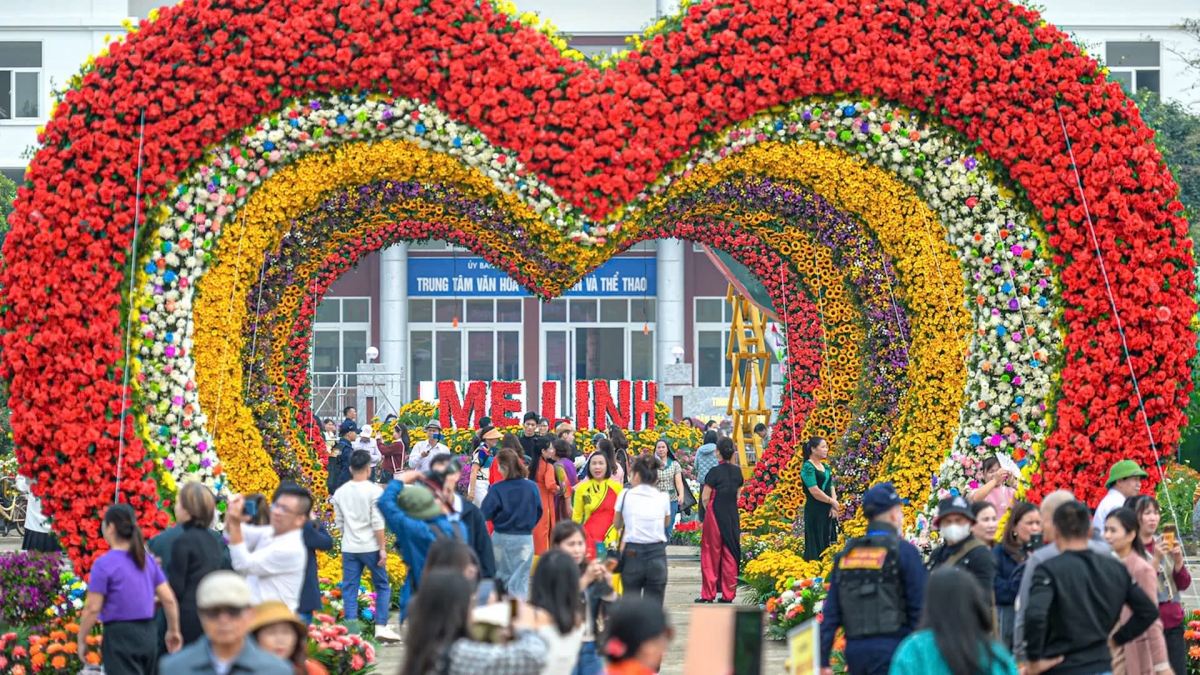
x=1124, y=481
x=356, y=515
x=431, y=447
x=272, y=557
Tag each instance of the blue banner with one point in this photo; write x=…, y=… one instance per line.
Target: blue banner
x=467, y=277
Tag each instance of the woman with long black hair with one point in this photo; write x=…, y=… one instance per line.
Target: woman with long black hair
x=438, y=640
x=555, y=589
x=122, y=589
x=1024, y=521
x=821, y=507
x=955, y=636
x=596, y=588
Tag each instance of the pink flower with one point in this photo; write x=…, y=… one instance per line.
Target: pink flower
x=357, y=662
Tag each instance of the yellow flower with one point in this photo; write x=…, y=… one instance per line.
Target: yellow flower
x=930, y=288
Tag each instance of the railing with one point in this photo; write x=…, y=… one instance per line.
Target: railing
x=331, y=392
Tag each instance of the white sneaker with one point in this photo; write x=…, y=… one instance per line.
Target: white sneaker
x=386, y=634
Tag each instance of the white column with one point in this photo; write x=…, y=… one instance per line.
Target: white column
x=669, y=324
x=393, y=324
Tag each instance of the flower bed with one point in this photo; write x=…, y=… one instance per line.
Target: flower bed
x=686, y=533
x=803, y=601
x=40, y=608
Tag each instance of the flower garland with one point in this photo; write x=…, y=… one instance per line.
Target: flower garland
x=793, y=210
x=882, y=134
x=930, y=409
x=290, y=344
x=597, y=139
x=221, y=309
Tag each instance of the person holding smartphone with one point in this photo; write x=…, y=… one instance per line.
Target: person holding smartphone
x=1166, y=556
x=595, y=585
x=438, y=637
x=1022, y=534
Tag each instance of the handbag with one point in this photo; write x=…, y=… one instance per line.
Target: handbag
x=689, y=500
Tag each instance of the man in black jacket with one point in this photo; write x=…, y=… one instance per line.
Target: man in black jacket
x=531, y=441
x=1075, y=602
x=962, y=549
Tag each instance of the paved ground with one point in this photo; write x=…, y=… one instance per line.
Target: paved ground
x=683, y=588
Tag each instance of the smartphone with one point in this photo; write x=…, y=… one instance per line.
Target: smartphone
x=734, y=642
x=748, y=641
x=601, y=551
x=484, y=592
x=1169, y=533
x=251, y=509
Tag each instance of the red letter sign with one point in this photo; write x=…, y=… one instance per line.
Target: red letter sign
x=466, y=414
x=503, y=406
x=606, y=409
x=643, y=406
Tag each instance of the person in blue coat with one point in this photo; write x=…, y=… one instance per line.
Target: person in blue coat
x=418, y=513
x=876, y=589
x=1016, y=543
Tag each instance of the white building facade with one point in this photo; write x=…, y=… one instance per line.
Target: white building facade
x=667, y=321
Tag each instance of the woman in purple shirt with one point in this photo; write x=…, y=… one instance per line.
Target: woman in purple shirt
x=121, y=593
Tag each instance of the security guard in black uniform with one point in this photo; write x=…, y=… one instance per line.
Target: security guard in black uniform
x=876, y=589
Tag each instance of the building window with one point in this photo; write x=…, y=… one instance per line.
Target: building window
x=15, y=175
x=596, y=339
x=485, y=346
x=20, y=80
x=340, y=341
x=1136, y=65
x=713, y=318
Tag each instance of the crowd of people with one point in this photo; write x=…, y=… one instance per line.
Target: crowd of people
x=1059, y=589
x=521, y=556
x=527, y=556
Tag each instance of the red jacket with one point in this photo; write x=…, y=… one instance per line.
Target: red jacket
x=393, y=457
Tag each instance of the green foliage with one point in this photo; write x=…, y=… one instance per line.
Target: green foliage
x=1175, y=497
x=8, y=193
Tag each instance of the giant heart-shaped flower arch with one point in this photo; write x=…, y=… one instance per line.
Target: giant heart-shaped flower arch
x=598, y=138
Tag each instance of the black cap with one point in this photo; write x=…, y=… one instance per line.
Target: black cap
x=954, y=505
x=346, y=427
x=880, y=498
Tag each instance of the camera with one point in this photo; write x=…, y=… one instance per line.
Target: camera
x=1035, y=542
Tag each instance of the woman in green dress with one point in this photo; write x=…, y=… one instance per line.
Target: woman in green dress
x=821, y=507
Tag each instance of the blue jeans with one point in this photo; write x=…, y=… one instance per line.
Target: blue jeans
x=514, y=560
x=589, y=661
x=674, y=513
x=352, y=569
